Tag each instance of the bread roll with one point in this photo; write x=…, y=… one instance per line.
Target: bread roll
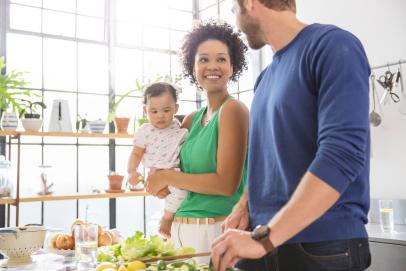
x=105, y=239
x=65, y=241
x=53, y=240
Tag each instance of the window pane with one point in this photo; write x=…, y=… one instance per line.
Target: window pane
x=182, y=4
x=177, y=39
x=19, y=15
x=62, y=5
x=206, y=3
x=129, y=10
x=156, y=64
x=226, y=13
x=92, y=68
x=25, y=58
x=36, y=3
x=246, y=98
x=90, y=28
x=128, y=68
x=210, y=13
x=246, y=80
x=155, y=37
x=63, y=175
x=186, y=107
x=93, y=168
x=58, y=23
x=130, y=215
x=91, y=7
x=181, y=20
x=129, y=33
x=59, y=64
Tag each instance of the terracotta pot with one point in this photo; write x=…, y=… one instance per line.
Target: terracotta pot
x=121, y=125
x=115, y=182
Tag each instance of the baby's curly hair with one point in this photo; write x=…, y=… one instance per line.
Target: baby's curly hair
x=217, y=31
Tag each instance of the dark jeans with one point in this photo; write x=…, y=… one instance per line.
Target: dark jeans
x=343, y=255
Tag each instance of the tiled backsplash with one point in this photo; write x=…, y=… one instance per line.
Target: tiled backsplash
x=399, y=207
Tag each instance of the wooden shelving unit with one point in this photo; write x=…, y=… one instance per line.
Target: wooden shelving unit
x=16, y=135
x=63, y=134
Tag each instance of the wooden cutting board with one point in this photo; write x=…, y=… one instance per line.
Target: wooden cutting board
x=170, y=258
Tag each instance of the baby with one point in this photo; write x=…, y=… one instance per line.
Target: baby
x=157, y=145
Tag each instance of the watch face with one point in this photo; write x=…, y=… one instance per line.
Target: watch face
x=260, y=232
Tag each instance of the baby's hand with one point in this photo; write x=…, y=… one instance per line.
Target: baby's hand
x=134, y=178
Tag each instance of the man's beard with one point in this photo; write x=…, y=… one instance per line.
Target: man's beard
x=252, y=31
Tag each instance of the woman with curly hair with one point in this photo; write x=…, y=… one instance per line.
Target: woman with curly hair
x=213, y=154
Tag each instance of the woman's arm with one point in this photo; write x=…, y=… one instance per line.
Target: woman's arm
x=232, y=148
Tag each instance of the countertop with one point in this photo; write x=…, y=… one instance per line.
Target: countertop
x=47, y=261
x=397, y=237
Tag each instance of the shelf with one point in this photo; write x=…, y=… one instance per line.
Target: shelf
x=38, y=198
x=64, y=134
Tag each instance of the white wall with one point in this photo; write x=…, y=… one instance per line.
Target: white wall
x=381, y=27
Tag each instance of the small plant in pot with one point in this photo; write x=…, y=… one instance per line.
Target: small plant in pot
x=11, y=93
x=115, y=182
x=30, y=119
x=82, y=124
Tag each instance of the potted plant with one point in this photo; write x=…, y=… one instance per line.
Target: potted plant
x=82, y=124
x=140, y=85
x=11, y=93
x=30, y=118
x=121, y=123
x=115, y=182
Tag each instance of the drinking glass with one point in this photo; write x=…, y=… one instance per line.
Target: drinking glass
x=386, y=215
x=86, y=245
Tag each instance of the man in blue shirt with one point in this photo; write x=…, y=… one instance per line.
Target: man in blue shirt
x=309, y=143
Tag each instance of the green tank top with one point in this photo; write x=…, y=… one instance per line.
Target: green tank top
x=199, y=155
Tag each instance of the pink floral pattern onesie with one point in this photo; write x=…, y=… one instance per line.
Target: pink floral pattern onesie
x=162, y=147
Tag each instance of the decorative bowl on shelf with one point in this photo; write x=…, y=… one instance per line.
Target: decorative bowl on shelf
x=32, y=125
x=19, y=243
x=97, y=126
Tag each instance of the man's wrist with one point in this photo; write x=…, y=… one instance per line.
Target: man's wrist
x=262, y=234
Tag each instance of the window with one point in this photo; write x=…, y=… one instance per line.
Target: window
x=70, y=51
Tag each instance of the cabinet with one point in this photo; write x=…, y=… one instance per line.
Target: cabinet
x=15, y=201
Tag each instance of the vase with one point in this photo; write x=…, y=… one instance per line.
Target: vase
x=9, y=121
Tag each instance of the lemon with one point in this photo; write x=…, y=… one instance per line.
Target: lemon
x=123, y=268
x=136, y=265
x=106, y=266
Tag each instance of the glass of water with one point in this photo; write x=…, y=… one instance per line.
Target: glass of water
x=386, y=215
x=86, y=238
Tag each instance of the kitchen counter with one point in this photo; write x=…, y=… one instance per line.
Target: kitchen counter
x=46, y=261
x=398, y=237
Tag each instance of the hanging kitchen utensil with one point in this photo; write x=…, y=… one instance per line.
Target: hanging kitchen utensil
x=386, y=81
x=374, y=118
x=399, y=81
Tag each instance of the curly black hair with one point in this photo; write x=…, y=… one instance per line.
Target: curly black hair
x=217, y=31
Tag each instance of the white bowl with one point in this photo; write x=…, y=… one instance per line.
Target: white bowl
x=19, y=243
x=97, y=126
x=32, y=125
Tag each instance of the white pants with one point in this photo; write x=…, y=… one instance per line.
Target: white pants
x=198, y=236
x=174, y=199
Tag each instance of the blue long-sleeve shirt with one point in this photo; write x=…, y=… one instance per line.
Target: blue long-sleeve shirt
x=310, y=113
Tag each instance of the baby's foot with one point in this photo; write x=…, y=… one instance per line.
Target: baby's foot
x=165, y=227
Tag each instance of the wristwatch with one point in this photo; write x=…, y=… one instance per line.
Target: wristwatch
x=261, y=234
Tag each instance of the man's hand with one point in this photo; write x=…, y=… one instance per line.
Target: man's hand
x=232, y=246
x=134, y=178
x=238, y=219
